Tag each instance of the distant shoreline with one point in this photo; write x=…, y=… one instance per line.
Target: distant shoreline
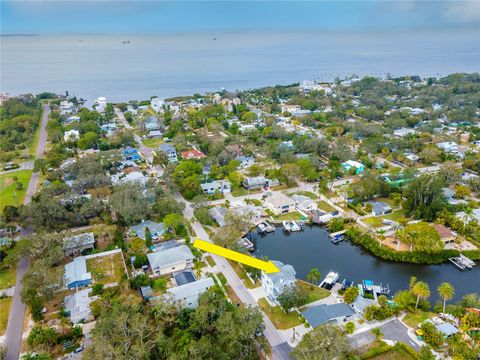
x=19, y=35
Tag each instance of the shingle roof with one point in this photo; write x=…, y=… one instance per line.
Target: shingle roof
x=320, y=314
x=191, y=289
x=170, y=256
x=77, y=270
x=79, y=240
x=286, y=274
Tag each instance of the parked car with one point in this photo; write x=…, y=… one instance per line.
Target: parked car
x=10, y=166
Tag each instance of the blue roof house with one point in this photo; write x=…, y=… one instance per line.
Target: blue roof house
x=130, y=154
x=351, y=164
x=76, y=274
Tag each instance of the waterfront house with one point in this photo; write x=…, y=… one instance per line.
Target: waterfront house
x=156, y=229
x=71, y=135
x=276, y=283
x=187, y=295
x=328, y=313
x=245, y=161
x=352, y=164
x=76, y=274
x=78, y=243
x=193, y=154
x=170, y=260
x=218, y=214
x=259, y=182
x=130, y=154
x=67, y=108
x=304, y=203
x=380, y=208
x=169, y=151
x=100, y=104
x=216, y=186
x=446, y=235
x=279, y=203
x=77, y=306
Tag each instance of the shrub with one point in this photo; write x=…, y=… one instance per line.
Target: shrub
x=139, y=280
x=349, y=327
x=159, y=284
x=97, y=289
x=203, y=216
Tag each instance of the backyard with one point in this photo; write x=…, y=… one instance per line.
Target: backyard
x=376, y=221
x=324, y=206
x=106, y=269
x=293, y=215
x=315, y=293
x=152, y=142
x=10, y=192
x=7, y=277
x=4, y=312
x=278, y=317
x=413, y=319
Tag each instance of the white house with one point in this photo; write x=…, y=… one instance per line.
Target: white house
x=157, y=104
x=220, y=186
x=169, y=151
x=276, y=283
x=71, y=135
x=67, y=108
x=304, y=203
x=77, y=306
x=279, y=203
x=187, y=295
x=258, y=182
x=133, y=177
x=170, y=260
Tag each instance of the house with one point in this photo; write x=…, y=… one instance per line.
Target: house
x=304, y=203
x=218, y=214
x=216, y=186
x=151, y=123
x=352, y=164
x=71, y=119
x=403, y=132
x=169, y=152
x=100, y=104
x=157, y=104
x=245, y=161
x=290, y=108
x=279, y=203
x=475, y=215
x=380, y=208
x=67, y=108
x=131, y=177
x=71, y=135
x=156, y=229
x=78, y=243
x=76, y=274
x=276, y=283
x=452, y=148
x=331, y=313
x=77, y=306
x=446, y=235
x=187, y=295
x=155, y=134
x=411, y=156
x=447, y=329
x=193, y=154
x=130, y=154
x=171, y=260
x=259, y=182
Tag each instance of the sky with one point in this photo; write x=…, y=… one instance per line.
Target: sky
x=113, y=16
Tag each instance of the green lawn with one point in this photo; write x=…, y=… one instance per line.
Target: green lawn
x=240, y=191
x=309, y=194
x=106, y=269
x=9, y=195
x=323, y=205
x=243, y=275
x=152, y=142
x=376, y=221
x=294, y=215
x=4, y=312
x=314, y=292
x=394, y=354
x=210, y=260
x=278, y=317
x=413, y=319
x=7, y=277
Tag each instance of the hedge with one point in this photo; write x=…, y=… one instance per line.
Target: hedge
x=415, y=257
x=386, y=348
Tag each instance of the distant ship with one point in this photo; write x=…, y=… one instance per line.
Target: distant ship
x=214, y=38
x=126, y=42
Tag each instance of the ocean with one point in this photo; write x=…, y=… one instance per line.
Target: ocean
x=136, y=67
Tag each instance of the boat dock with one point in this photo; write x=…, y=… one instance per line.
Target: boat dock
x=462, y=262
x=330, y=280
x=346, y=284
x=247, y=244
x=265, y=227
x=291, y=226
x=338, y=236
x=375, y=290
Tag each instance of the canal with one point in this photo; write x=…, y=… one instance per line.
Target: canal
x=312, y=248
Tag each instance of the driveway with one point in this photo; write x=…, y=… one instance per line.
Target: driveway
x=393, y=330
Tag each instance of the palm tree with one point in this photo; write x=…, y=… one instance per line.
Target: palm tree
x=313, y=276
x=421, y=290
x=446, y=291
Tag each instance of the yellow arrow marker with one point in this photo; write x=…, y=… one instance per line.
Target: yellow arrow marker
x=267, y=266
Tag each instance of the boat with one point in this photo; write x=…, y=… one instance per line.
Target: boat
x=469, y=263
x=346, y=284
x=338, y=238
x=368, y=285
x=265, y=227
x=462, y=262
x=286, y=226
x=294, y=226
x=329, y=280
x=261, y=228
x=247, y=244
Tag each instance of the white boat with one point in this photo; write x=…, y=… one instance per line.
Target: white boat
x=330, y=279
x=294, y=226
x=286, y=226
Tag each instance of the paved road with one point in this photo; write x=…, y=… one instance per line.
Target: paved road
x=17, y=310
x=393, y=330
x=26, y=165
x=280, y=348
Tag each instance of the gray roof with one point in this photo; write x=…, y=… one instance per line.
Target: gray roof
x=151, y=123
x=320, y=314
x=287, y=274
x=146, y=292
x=447, y=329
x=79, y=240
x=361, y=303
x=302, y=200
x=77, y=270
x=170, y=256
x=155, y=228
x=78, y=304
x=167, y=148
x=191, y=289
x=218, y=214
x=259, y=180
x=379, y=207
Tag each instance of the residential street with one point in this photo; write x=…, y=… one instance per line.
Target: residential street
x=17, y=310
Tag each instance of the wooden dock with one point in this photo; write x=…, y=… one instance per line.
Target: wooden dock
x=462, y=262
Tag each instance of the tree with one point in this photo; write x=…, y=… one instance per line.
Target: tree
x=421, y=236
x=421, y=290
x=314, y=276
x=377, y=332
x=325, y=342
x=173, y=222
x=350, y=294
x=424, y=197
x=129, y=201
x=40, y=164
x=446, y=291
x=167, y=204
x=148, y=237
x=425, y=353
x=430, y=154
x=292, y=297
x=450, y=172
x=88, y=140
x=336, y=224
x=41, y=336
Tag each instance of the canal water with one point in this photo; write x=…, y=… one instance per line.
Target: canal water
x=312, y=248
